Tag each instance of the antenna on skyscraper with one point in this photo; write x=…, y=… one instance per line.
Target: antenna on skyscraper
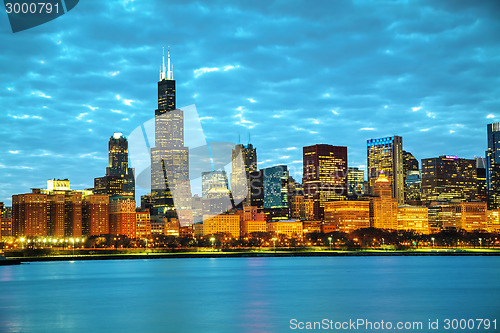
x=248, y=136
x=162, y=75
x=239, y=139
x=169, y=72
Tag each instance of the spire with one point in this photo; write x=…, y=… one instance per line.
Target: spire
x=169, y=72
x=249, y=137
x=162, y=74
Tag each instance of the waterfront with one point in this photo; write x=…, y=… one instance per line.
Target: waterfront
x=243, y=294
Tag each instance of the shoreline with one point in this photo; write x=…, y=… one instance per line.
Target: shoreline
x=252, y=254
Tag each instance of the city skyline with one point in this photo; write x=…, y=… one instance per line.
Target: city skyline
x=53, y=132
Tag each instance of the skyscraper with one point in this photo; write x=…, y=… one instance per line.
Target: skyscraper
x=448, y=178
x=356, y=181
x=244, y=161
x=324, y=175
x=386, y=154
x=119, y=179
x=493, y=165
x=170, y=189
x=275, y=185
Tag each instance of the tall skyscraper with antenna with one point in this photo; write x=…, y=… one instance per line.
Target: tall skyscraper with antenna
x=169, y=158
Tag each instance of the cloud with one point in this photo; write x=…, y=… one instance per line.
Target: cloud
x=367, y=129
x=251, y=100
x=490, y=116
x=415, y=108
x=14, y=151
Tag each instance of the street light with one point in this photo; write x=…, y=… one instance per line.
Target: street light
x=213, y=243
x=480, y=240
x=274, y=244
x=73, y=245
x=330, y=240
x=22, y=242
x=432, y=239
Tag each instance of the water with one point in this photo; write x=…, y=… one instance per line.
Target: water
x=245, y=294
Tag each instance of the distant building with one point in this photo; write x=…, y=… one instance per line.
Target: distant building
x=493, y=165
x=413, y=187
x=347, y=216
x=221, y=224
x=383, y=207
x=448, y=178
x=290, y=228
x=324, y=175
x=143, y=224
x=471, y=216
x=5, y=227
x=29, y=214
x=119, y=179
x=244, y=161
x=411, y=218
x=356, y=182
x=95, y=210
x=275, y=184
x=252, y=221
x=215, y=191
x=122, y=214
x=386, y=154
x=482, y=189
x=297, y=207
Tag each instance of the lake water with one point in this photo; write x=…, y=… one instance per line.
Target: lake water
x=247, y=294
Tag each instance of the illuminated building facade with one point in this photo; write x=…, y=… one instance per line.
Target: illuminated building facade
x=471, y=216
x=309, y=227
x=119, y=179
x=324, y=175
x=482, y=189
x=5, y=227
x=386, y=154
x=493, y=165
x=221, y=224
x=290, y=228
x=448, y=178
x=29, y=214
x=170, y=187
x=251, y=220
x=73, y=214
x=413, y=187
x=297, y=207
x=143, y=224
x=122, y=216
x=355, y=182
x=383, y=207
x=493, y=220
x=411, y=218
x=244, y=162
x=56, y=214
x=347, y=216
x=95, y=210
x=441, y=216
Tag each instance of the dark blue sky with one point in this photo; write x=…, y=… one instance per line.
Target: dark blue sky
x=293, y=73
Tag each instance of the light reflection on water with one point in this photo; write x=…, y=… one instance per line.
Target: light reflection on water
x=243, y=294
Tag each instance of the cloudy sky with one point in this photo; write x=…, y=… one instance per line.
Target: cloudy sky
x=292, y=73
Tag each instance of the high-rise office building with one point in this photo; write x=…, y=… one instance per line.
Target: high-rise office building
x=275, y=185
x=119, y=179
x=170, y=187
x=386, y=154
x=482, y=190
x=256, y=189
x=324, y=175
x=448, y=178
x=355, y=182
x=244, y=162
x=413, y=187
x=493, y=165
